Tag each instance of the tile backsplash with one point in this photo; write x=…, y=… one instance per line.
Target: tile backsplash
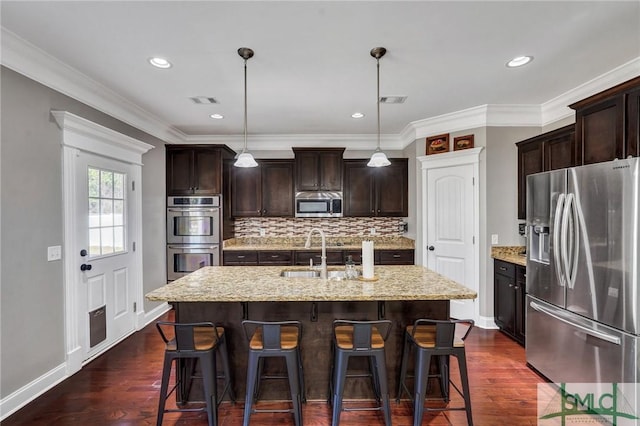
x=280, y=227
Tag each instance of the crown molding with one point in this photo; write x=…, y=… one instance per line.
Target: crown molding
x=360, y=142
x=556, y=109
x=27, y=59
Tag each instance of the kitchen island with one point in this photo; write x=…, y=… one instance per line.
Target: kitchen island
x=228, y=294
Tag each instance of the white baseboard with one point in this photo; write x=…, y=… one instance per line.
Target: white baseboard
x=156, y=313
x=21, y=397
x=487, y=323
x=18, y=399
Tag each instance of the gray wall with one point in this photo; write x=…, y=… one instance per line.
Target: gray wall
x=31, y=289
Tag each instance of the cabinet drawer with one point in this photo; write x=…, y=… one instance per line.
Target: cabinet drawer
x=333, y=257
x=395, y=257
x=240, y=258
x=275, y=257
x=505, y=268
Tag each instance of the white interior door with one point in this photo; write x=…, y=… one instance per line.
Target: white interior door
x=106, y=260
x=450, y=229
x=450, y=223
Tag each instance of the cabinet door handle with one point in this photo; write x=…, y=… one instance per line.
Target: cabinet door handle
x=275, y=256
x=510, y=285
x=396, y=256
x=502, y=268
x=241, y=257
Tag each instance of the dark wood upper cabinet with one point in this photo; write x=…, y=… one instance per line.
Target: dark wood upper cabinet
x=195, y=169
x=266, y=190
x=548, y=151
x=633, y=123
x=318, y=169
x=607, y=124
x=246, y=191
x=376, y=191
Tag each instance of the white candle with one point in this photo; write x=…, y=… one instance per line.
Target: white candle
x=367, y=259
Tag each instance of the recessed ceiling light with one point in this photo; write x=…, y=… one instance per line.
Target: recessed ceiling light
x=519, y=61
x=159, y=62
x=357, y=115
x=217, y=116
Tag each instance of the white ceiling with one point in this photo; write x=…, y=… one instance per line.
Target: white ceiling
x=312, y=68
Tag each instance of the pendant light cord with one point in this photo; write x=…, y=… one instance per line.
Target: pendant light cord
x=245, y=105
x=378, y=99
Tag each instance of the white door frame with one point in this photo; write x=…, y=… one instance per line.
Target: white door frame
x=79, y=134
x=450, y=159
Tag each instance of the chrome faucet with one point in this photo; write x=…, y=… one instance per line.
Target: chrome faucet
x=323, y=256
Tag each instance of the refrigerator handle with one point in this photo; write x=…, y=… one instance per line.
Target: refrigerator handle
x=571, y=199
x=568, y=250
x=564, y=239
x=594, y=333
x=556, y=239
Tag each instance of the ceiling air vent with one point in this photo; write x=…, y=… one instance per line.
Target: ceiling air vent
x=392, y=99
x=203, y=100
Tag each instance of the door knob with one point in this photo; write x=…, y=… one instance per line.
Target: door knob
x=83, y=252
x=85, y=267
x=431, y=248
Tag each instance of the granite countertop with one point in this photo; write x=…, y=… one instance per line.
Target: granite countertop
x=511, y=254
x=264, y=284
x=333, y=243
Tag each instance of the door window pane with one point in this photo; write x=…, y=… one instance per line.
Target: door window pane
x=107, y=212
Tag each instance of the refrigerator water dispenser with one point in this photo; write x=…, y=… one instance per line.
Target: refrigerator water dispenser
x=539, y=244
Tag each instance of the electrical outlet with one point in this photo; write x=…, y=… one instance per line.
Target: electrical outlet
x=54, y=253
x=494, y=239
x=372, y=231
x=263, y=232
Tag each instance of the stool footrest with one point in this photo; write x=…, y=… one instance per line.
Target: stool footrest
x=267, y=410
x=362, y=408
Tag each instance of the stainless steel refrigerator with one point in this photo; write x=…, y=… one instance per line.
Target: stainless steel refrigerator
x=583, y=301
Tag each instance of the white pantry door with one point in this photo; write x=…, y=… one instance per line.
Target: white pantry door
x=106, y=258
x=450, y=222
x=450, y=229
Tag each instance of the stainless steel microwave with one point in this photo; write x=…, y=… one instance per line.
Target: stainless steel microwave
x=318, y=204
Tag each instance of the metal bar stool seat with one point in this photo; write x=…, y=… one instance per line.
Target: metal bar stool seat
x=360, y=339
x=274, y=339
x=187, y=344
x=442, y=339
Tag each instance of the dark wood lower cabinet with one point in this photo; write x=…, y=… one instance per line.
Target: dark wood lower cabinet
x=316, y=318
x=509, y=299
x=301, y=257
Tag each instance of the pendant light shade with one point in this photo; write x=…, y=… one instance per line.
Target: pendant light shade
x=245, y=159
x=379, y=158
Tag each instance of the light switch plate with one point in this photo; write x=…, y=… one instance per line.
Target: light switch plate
x=494, y=239
x=54, y=253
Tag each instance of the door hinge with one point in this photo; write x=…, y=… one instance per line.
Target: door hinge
x=134, y=246
x=473, y=239
x=135, y=307
x=133, y=185
x=473, y=181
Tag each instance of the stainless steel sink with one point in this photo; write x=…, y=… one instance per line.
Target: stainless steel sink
x=331, y=275
x=300, y=274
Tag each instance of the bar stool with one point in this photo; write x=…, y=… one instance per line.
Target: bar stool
x=274, y=339
x=360, y=339
x=439, y=338
x=188, y=343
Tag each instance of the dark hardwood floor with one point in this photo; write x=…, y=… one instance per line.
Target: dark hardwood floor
x=121, y=388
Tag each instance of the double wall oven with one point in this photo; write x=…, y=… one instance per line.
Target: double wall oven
x=193, y=234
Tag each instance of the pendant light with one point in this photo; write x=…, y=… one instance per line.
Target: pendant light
x=245, y=159
x=378, y=159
